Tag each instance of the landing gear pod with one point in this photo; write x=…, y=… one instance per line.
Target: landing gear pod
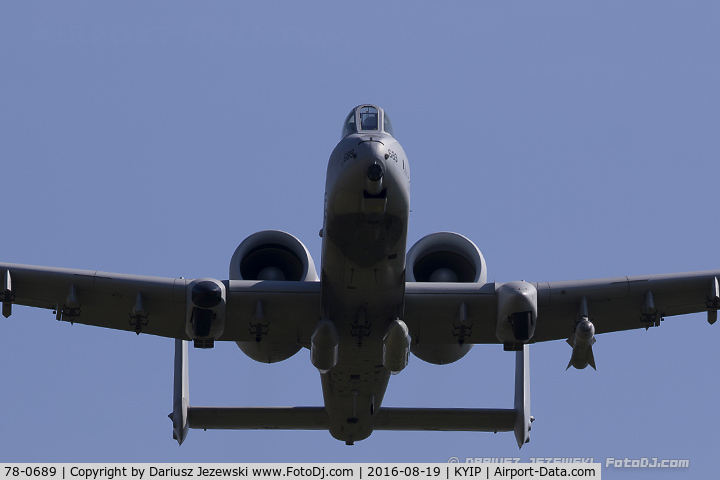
x=324, y=346
x=517, y=314
x=396, y=347
x=205, y=311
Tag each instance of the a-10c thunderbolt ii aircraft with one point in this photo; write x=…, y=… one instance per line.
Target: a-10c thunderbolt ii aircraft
x=370, y=306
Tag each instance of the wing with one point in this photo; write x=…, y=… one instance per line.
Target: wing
x=152, y=305
x=446, y=313
x=157, y=305
x=452, y=313
x=623, y=303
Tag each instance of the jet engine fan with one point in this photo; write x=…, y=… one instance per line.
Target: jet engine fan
x=272, y=255
x=445, y=257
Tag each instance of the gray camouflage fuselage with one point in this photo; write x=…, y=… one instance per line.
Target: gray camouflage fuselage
x=367, y=198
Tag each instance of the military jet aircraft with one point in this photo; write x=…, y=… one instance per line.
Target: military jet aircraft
x=370, y=306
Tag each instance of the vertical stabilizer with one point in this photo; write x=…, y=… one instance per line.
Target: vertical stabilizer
x=522, y=396
x=181, y=395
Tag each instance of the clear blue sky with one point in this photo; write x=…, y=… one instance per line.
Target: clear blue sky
x=569, y=140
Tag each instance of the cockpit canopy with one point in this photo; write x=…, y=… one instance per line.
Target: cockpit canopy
x=369, y=118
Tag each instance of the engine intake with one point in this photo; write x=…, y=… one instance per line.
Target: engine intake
x=272, y=255
x=445, y=257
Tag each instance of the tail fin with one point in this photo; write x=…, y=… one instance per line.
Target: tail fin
x=523, y=418
x=181, y=392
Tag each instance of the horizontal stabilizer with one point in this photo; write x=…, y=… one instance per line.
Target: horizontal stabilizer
x=258, y=418
x=446, y=419
x=315, y=418
x=516, y=419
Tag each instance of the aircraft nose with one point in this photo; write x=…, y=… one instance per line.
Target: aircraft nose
x=371, y=161
x=371, y=150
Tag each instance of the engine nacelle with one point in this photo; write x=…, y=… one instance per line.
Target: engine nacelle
x=272, y=255
x=444, y=257
x=440, y=354
x=205, y=322
x=268, y=351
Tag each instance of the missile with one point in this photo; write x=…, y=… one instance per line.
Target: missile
x=581, y=343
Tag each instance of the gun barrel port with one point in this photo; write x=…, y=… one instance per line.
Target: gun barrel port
x=374, y=172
